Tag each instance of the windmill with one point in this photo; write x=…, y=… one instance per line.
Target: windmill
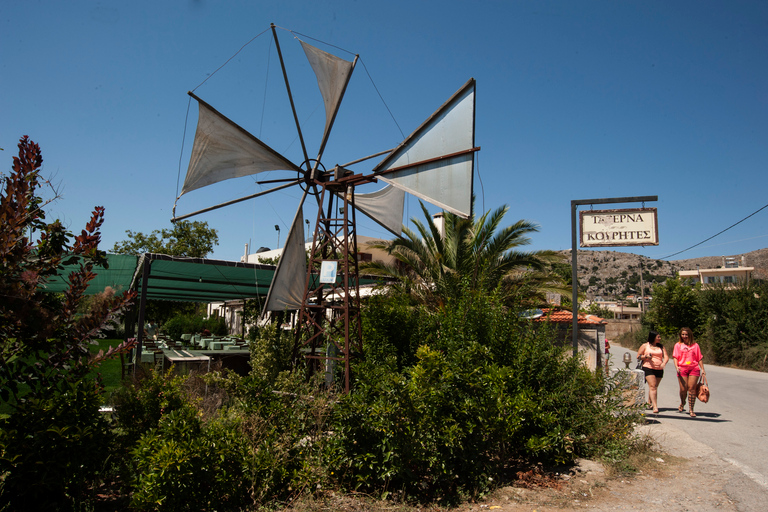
x=435, y=163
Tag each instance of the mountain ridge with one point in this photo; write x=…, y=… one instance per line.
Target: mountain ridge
x=610, y=274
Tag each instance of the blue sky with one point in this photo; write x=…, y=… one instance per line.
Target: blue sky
x=575, y=100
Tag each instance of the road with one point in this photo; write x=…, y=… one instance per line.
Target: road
x=734, y=424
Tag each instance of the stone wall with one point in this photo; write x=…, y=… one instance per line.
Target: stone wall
x=614, y=329
x=633, y=382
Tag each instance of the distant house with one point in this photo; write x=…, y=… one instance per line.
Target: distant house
x=232, y=311
x=730, y=274
x=591, y=333
x=620, y=310
x=364, y=252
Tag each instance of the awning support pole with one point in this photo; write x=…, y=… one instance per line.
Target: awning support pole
x=142, y=308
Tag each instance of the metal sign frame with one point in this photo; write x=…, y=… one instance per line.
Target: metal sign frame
x=575, y=251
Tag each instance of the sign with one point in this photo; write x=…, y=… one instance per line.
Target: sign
x=328, y=270
x=614, y=228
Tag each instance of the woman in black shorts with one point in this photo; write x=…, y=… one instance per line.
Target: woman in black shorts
x=654, y=357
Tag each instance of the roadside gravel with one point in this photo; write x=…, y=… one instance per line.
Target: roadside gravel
x=687, y=476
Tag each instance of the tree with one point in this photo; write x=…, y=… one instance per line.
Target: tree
x=192, y=239
x=473, y=254
x=674, y=306
x=53, y=440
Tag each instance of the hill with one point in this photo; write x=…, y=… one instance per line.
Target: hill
x=611, y=274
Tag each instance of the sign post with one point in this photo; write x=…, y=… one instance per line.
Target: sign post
x=608, y=228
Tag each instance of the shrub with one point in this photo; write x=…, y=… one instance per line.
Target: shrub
x=285, y=424
x=271, y=350
x=52, y=438
x=194, y=324
x=736, y=326
x=141, y=404
x=486, y=388
x=54, y=447
x=391, y=330
x=185, y=464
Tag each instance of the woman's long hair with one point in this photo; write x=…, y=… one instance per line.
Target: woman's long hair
x=652, y=339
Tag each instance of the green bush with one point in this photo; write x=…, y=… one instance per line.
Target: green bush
x=55, y=445
x=391, y=330
x=486, y=388
x=185, y=464
x=271, y=351
x=736, y=325
x=193, y=324
x=286, y=427
x=141, y=404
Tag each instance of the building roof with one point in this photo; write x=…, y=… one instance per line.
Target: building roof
x=563, y=316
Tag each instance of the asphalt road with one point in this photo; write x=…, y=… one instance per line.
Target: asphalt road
x=734, y=424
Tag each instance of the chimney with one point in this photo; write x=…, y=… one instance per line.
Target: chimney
x=439, y=222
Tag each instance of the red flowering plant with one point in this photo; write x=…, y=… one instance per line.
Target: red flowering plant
x=48, y=403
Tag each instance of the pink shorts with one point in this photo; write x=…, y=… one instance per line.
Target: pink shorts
x=693, y=369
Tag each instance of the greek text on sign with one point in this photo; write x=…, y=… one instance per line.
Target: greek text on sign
x=613, y=228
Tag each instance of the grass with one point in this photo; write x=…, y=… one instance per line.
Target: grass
x=109, y=369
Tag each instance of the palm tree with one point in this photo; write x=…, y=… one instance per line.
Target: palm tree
x=470, y=254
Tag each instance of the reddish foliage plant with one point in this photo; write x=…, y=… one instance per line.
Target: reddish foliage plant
x=53, y=441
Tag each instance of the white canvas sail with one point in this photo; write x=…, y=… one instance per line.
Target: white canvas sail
x=288, y=283
x=384, y=206
x=436, y=162
x=223, y=150
x=332, y=74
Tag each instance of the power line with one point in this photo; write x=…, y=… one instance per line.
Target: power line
x=718, y=234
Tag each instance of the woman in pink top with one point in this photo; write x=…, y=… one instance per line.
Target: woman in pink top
x=689, y=365
x=655, y=358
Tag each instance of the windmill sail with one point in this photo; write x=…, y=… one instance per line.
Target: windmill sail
x=223, y=150
x=436, y=162
x=288, y=283
x=332, y=74
x=384, y=206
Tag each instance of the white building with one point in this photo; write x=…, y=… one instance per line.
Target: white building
x=730, y=274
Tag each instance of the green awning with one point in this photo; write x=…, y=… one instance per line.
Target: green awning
x=202, y=280
x=177, y=278
x=122, y=268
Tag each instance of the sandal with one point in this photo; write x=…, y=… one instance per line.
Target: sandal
x=681, y=408
x=693, y=415
x=655, y=411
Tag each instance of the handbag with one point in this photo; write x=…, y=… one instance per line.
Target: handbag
x=703, y=391
x=639, y=361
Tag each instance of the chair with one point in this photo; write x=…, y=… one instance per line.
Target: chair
x=126, y=367
x=159, y=361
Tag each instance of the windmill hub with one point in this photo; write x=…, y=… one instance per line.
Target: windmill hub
x=306, y=178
